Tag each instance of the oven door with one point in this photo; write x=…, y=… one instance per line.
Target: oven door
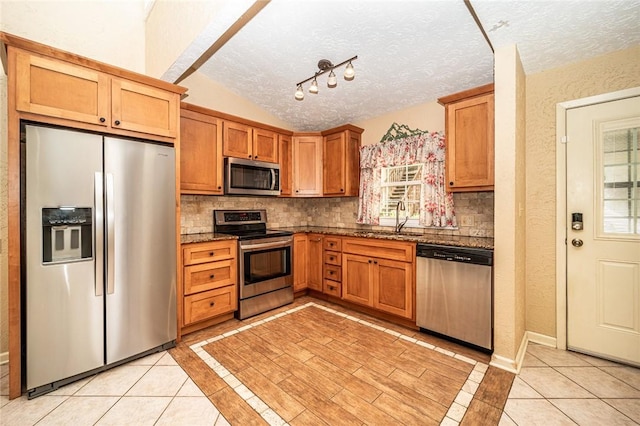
x=265, y=265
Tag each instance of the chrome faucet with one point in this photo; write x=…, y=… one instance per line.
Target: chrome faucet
x=400, y=207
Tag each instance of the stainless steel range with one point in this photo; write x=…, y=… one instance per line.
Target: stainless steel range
x=264, y=260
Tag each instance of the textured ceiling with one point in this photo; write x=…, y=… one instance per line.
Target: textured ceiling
x=409, y=51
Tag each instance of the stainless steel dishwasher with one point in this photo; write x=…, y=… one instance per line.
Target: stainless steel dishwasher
x=454, y=293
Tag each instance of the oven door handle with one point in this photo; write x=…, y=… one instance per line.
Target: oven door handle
x=265, y=245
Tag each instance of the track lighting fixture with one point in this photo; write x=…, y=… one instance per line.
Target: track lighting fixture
x=325, y=66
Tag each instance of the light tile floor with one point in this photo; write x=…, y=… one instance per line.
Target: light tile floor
x=153, y=390
x=557, y=387
x=553, y=388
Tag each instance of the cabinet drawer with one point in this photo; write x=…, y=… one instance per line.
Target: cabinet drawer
x=332, y=243
x=209, y=304
x=383, y=249
x=333, y=288
x=193, y=254
x=207, y=276
x=332, y=272
x=333, y=258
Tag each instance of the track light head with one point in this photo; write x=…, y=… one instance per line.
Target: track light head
x=299, y=93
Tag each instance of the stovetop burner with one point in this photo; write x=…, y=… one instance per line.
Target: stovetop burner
x=246, y=224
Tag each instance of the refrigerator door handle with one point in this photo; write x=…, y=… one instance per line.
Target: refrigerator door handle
x=111, y=224
x=98, y=227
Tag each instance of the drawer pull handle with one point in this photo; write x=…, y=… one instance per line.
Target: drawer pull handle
x=211, y=253
x=330, y=272
x=212, y=276
x=331, y=288
x=330, y=257
x=212, y=303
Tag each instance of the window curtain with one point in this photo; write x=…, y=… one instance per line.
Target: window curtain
x=427, y=148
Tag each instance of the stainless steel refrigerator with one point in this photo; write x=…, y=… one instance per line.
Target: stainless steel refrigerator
x=100, y=253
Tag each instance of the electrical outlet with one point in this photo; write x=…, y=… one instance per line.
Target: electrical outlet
x=467, y=220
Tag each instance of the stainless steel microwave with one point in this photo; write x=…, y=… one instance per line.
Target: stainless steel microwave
x=249, y=177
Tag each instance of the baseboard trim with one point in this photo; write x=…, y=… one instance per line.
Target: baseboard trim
x=4, y=358
x=542, y=339
x=514, y=365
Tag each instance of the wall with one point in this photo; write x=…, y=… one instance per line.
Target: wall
x=602, y=74
x=428, y=116
x=509, y=251
x=107, y=31
x=209, y=94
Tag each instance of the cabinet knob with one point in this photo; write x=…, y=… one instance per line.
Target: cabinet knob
x=450, y=183
x=212, y=276
x=375, y=262
x=330, y=257
x=296, y=190
x=330, y=272
x=117, y=122
x=331, y=287
x=249, y=156
x=212, y=304
x=256, y=157
x=211, y=253
x=369, y=260
x=341, y=189
x=219, y=187
x=102, y=119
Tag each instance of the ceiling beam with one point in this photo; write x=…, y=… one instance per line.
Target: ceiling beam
x=224, y=38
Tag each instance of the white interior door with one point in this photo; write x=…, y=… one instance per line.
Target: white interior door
x=603, y=258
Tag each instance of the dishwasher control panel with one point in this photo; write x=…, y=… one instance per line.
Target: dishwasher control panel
x=456, y=254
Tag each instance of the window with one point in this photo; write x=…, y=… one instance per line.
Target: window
x=621, y=186
x=401, y=183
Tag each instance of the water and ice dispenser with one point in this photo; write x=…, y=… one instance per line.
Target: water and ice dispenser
x=66, y=234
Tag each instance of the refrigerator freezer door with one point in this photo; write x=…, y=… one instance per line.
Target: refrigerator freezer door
x=64, y=317
x=141, y=301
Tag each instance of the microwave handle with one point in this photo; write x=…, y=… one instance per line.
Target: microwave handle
x=273, y=180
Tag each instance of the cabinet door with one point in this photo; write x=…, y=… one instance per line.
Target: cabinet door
x=333, y=165
x=141, y=108
x=314, y=262
x=237, y=140
x=307, y=165
x=61, y=90
x=284, y=154
x=357, y=279
x=470, y=144
x=393, y=290
x=299, y=262
x=200, y=154
x=265, y=146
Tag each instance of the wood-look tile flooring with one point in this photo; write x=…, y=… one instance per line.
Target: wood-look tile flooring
x=317, y=363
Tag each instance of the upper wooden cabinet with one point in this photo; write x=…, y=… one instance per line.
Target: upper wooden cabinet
x=243, y=141
x=285, y=153
x=200, y=153
x=67, y=91
x=341, y=161
x=469, y=123
x=307, y=165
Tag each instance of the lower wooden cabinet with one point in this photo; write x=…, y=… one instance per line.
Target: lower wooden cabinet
x=384, y=283
x=314, y=262
x=300, y=242
x=209, y=282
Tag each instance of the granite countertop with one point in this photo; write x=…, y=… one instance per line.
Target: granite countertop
x=446, y=240
x=205, y=238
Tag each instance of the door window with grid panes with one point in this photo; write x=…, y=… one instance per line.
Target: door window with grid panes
x=620, y=181
x=401, y=184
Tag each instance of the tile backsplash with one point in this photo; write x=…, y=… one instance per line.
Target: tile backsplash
x=474, y=213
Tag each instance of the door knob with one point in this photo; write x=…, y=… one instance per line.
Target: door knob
x=577, y=242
